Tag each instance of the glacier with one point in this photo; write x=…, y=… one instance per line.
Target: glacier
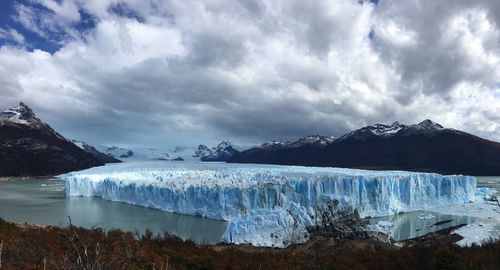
x=267, y=205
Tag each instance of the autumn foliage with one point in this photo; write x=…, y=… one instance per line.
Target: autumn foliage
x=31, y=247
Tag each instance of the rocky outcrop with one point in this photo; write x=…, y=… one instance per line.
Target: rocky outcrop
x=345, y=223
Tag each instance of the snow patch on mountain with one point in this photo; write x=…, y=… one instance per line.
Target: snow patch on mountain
x=386, y=130
x=18, y=114
x=202, y=151
x=22, y=115
x=274, y=145
x=80, y=144
x=311, y=140
x=222, y=152
x=314, y=140
x=96, y=153
x=426, y=127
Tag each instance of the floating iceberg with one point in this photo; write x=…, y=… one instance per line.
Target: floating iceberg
x=275, y=203
x=426, y=216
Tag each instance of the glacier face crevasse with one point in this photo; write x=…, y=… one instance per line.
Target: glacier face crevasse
x=266, y=204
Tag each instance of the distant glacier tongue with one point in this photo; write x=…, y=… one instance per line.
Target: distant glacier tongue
x=263, y=202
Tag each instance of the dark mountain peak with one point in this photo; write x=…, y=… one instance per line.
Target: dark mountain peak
x=23, y=106
x=202, y=151
x=28, y=146
x=429, y=125
x=315, y=140
x=376, y=130
x=23, y=116
x=224, y=144
x=426, y=146
x=383, y=131
x=24, y=111
x=202, y=147
x=20, y=114
x=427, y=128
x=222, y=152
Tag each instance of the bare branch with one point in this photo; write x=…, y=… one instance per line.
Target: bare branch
x=1, y=247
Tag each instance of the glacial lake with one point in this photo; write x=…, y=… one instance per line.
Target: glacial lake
x=43, y=202
x=415, y=224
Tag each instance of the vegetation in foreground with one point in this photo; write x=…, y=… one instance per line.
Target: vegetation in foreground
x=32, y=247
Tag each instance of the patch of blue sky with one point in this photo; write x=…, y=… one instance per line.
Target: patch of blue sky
x=49, y=39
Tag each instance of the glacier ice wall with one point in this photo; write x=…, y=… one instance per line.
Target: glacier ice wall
x=264, y=227
x=243, y=193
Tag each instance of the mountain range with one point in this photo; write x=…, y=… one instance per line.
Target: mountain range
x=222, y=152
x=426, y=146
x=30, y=147
x=104, y=158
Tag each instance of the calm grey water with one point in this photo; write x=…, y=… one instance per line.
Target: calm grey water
x=489, y=181
x=44, y=202
x=414, y=224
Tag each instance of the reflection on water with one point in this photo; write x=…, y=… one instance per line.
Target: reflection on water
x=415, y=224
x=489, y=182
x=411, y=225
x=44, y=202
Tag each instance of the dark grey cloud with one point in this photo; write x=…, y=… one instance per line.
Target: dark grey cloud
x=440, y=59
x=248, y=71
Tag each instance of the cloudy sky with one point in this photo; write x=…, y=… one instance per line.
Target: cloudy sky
x=164, y=73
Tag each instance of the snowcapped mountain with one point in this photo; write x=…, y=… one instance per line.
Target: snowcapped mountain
x=426, y=128
x=313, y=140
x=202, y=151
x=377, y=130
x=221, y=152
x=22, y=116
x=30, y=147
x=300, y=152
x=94, y=152
x=426, y=146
